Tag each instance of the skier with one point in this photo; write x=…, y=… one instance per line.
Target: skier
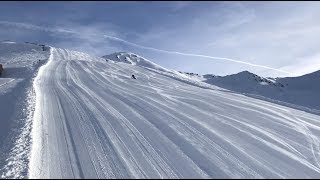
x=1, y=69
x=133, y=77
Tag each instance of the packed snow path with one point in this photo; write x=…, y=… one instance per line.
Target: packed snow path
x=93, y=121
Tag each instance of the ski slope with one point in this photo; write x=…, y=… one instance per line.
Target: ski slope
x=92, y=120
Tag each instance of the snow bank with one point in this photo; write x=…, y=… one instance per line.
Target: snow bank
x=20, y=62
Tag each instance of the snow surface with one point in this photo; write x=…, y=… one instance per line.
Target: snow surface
x=93, y=121
x=20, y=62
x=134, y=59
x=301, y=91
x=90, y=119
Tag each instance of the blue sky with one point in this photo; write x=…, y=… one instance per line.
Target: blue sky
x=279, y=35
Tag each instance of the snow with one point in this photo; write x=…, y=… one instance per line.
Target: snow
x=136, y=60
x=93, y=121
x=133, y=59
x=20, y=62
x=301, y=91
x=90, y=119
x=264, y=83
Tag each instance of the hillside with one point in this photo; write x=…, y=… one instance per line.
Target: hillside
x=299, y=92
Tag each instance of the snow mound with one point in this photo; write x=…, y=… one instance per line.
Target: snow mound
x=20, y=62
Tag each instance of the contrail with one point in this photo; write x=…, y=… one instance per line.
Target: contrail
x=196, y=55
x=60, y=30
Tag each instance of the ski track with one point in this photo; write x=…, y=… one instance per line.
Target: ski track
x=93, y=121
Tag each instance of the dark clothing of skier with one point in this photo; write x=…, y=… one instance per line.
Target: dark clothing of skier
x=133, y=77
x=1, y=69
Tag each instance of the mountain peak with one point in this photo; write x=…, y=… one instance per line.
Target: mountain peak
x=245, y=73
x=133, y=59
x=125, y=57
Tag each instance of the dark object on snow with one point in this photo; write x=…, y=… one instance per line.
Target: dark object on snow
x=133, y=77
x=1, y=69
x=43, y=47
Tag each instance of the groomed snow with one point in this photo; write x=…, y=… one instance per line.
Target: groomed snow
x=93, y=121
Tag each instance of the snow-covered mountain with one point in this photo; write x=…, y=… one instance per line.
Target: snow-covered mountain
x=90, y=119
x=136, y=60
x=302, y=91
x=131, y=58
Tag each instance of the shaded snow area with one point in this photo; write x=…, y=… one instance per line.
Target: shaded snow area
x=20, y=62
x=298, y=92
x=92, y=120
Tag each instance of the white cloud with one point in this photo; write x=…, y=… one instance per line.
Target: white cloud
x=275, y=34
x=75, y=36
x=305, y=65
x=278, y=35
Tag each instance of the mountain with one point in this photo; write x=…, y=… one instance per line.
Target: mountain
x=298, y=91
x=136, y=60
x=302, y=91
x=133, y=59
x=85, y=117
